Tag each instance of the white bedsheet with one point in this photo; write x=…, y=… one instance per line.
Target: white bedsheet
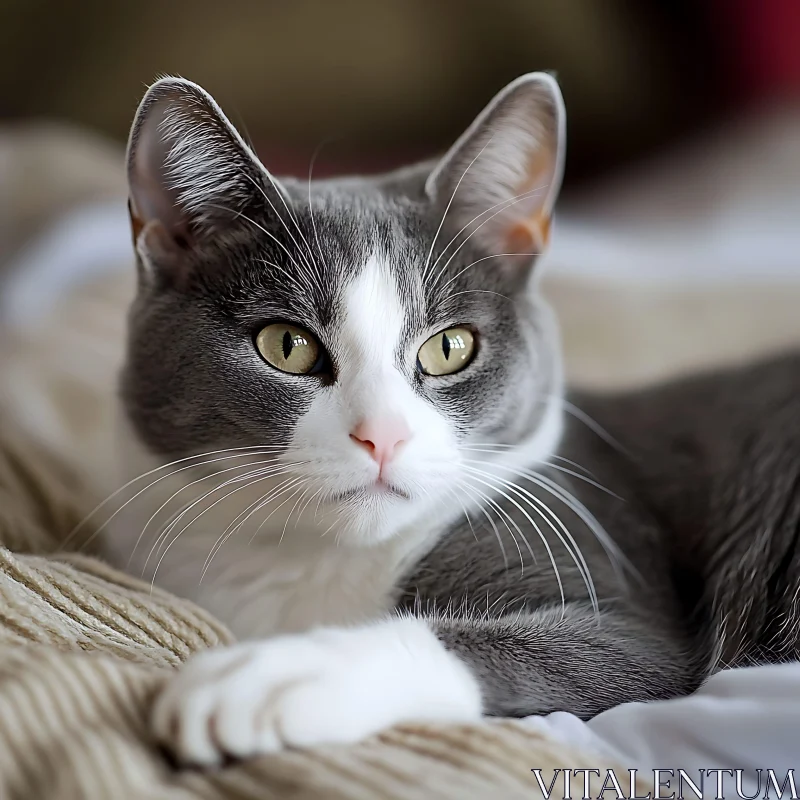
x=745, y=719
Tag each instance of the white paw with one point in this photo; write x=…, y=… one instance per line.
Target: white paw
x=331, y=685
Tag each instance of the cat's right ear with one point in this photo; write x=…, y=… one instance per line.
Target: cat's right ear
x=193, y=180
x=498, y=184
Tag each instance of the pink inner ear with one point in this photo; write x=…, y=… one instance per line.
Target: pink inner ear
x=136, y=222
x=529, y=231
x=520, y=240
x=528, y=235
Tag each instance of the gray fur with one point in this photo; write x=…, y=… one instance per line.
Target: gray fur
x=705, y=509
x=709, y=472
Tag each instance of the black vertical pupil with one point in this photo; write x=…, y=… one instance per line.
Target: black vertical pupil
x=446, y=346
x=288, y=344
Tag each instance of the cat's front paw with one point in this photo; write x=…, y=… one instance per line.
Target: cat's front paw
x=331, y=685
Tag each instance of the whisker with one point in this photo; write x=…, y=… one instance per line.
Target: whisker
x=498, y=507
x=180, y=489
x=506, y=518
x=491, y=523
x=556, y=467
x=310, y=206
x=616, y=556
x=451, y=491
x=574, y=464
x=572, y=502
x=188, y=506
x=301, y=482
x=545, y=512
x=315, y=267
x=266, y=501
x=147, y=474
x=478, y=261
x=293, y=509
x=481, y=291
x=586, y=479
x=308, y=502
x=316, y=510
x=504, y=205
x=447, y=208
x=328, y=530
x=233, y=527
x=498, y=445
x=255, y=507
x=533, y=524
x=263, y=230
x=286, y=274
x=258, y=475
x=592, y=424
x=149, y=486
x=191, y=522
x=502, y=447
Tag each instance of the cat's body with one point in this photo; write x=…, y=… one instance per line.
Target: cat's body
x=346, y=400
x=707, y=577
x=708, y=472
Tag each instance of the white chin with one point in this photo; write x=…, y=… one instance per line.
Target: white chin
x=367, y=517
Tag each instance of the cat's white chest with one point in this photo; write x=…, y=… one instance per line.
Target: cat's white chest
x=277, y=572
x=279, y=589
x=267, y=586
x=259, y=581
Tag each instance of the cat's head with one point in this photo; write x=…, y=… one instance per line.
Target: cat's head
x=365, y=331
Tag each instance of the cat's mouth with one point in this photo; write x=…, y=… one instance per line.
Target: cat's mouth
x=379, y=488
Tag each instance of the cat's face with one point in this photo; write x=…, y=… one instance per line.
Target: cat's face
x=364, y=331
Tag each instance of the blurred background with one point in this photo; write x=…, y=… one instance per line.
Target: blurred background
x=683, y=167
x=382, y=81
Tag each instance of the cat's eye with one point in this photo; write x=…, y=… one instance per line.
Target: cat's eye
x=290, y=349
x=446, y=352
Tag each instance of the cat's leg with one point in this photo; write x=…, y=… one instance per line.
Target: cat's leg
x=570, y=660
x=329, y=685
x=341, y=685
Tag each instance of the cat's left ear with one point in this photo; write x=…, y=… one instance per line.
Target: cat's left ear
x=193, y=180
x=500, y=181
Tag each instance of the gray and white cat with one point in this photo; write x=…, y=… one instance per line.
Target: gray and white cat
x=346, y=397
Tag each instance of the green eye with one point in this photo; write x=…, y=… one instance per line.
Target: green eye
x=447, y=352
x=289, y=348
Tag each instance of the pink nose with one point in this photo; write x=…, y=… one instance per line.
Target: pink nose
x=381, y=436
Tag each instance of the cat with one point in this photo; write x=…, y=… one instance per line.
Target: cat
x=345, y=431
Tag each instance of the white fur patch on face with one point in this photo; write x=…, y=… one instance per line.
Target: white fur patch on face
x=371, y=386
x=372, y=322
x=331, y=685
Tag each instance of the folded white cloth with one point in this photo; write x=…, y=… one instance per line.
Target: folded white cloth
x=737, y=736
